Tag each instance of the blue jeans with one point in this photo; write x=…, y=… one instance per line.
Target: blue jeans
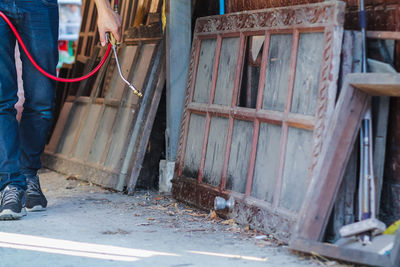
x=21, y=145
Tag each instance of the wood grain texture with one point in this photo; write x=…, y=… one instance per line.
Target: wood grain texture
x=308, y=69
x=239, y=158
x=226, y=71
x=267, y=162
x=331, y=165
x=296, y=169
x=193, y=150
x=377, y=84
x=346, y=254
x=215, y=151
x=278, y=69
x=204, y=71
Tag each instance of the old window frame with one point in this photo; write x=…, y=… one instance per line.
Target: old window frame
x=324, y=17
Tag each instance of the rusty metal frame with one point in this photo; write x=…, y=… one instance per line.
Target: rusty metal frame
x=323, y=17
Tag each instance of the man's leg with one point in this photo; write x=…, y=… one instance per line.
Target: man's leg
x=39, y=30
x=12, y=183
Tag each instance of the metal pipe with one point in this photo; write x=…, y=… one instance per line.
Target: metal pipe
x=221, y=7
x=135, y=91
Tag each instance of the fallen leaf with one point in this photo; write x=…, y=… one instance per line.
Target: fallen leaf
x=198, y=215
x=228, y=222
x=44, y=190
x=150, y=219
x=158, y=198
x=213, y=215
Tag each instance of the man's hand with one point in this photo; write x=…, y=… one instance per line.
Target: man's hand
x=107, y=21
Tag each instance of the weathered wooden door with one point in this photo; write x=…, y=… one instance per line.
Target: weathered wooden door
x=260, y=89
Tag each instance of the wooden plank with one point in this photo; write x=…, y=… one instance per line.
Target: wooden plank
x=138, y=78
x=102, y=133
x=305, y=91
x=296, y=169
x=156, y=87
x=69, y=132
x=239, y=158
x=377, y=84
x=344, y=209
x=84, y=142
x=277, y=76
x=58, y=130
x=346, y=254
x=267, y=162
x=386, y=35
x=84, y=170
x=330, y=167
x=204, y=70
x=192, y=156
x=226, y=72
x=215, y=151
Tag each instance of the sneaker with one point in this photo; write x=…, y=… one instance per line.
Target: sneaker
x=12, y=203
x=35, y=199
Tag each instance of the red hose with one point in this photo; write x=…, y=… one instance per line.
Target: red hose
x=42, y=70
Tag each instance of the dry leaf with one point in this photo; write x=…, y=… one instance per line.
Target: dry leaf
x=150, y=219
x=229, y=222
x=213, y=215
x=157, y=198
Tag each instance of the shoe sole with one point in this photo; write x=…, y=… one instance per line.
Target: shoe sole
x=36, y=208
x=6, y=215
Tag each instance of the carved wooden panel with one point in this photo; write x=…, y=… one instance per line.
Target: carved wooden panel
x=259, y=90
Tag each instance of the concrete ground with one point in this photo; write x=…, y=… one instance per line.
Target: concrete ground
x=86, y=225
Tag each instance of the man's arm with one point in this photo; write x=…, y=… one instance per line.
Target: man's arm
x=108, y=21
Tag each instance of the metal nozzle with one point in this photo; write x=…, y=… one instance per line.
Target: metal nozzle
x=135, y=91
x=220, y=203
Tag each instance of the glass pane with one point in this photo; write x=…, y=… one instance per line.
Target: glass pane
x=194, y=146
x=267, y=162
x=215, y=151
x=226, y=71
x=204, y=71
x=278, y=69
x=240, y=156
x=308, y=69
x=296, y=169
x=251, y=71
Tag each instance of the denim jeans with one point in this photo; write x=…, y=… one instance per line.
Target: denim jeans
x=21, y=145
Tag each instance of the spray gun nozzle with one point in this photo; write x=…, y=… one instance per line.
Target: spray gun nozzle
x=135, y=91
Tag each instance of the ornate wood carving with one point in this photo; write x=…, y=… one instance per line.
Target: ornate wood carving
x=277, y=18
